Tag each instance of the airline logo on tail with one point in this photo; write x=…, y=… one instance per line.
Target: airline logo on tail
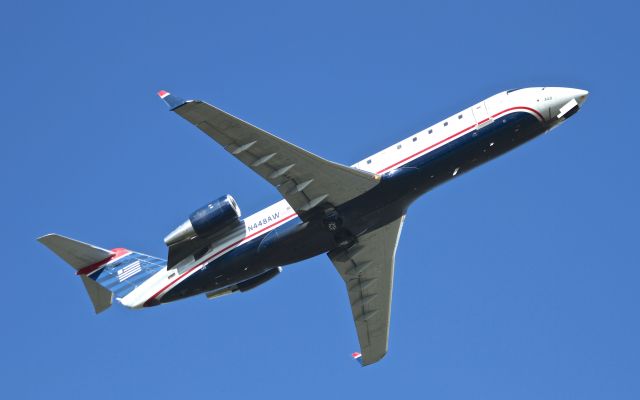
x=129, y=271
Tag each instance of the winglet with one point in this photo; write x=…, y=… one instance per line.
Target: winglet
x=358, y=357
x=172, y=101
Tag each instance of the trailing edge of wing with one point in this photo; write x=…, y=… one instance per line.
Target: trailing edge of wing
x=304, y=179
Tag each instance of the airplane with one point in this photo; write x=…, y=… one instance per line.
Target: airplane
x=354, y=214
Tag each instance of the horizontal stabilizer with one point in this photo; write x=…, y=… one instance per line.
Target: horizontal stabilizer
x=82, y=256
x=105, y=273
x=77, y=254
x=100, y=297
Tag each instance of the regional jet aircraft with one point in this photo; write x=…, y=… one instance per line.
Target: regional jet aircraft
x=353, y=214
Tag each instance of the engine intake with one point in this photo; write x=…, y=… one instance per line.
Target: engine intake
x=214, y=217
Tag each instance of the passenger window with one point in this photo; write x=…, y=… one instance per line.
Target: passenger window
x=430, y=131
x=460, y=116
x=399, y=146
x=415, y=138
x=446, y=123
x=368, y=161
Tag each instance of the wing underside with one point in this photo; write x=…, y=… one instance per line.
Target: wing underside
x=304, y=179
x=367, y=271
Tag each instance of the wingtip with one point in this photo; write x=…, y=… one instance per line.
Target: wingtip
x=172, y=101
x=44, y=238
x=357, y=357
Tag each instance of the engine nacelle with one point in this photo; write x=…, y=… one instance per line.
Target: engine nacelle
x=214, y=217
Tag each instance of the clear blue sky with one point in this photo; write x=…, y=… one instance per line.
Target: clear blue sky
x=518, y=280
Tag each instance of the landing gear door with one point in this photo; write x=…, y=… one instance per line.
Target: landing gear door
x=481, y=115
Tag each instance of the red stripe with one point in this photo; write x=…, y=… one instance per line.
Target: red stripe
x=216, y=254
x=520, y=108
x=117, y=253
x=93, y=267
x=425, y=149
x=454, y=135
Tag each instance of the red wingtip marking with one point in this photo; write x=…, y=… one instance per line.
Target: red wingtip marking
x=163, y=93
x=356, y=355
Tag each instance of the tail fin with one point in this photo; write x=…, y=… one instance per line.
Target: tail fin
x=81, y=256
x=103, y=272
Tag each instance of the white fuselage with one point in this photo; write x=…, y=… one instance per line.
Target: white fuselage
x=543, y=103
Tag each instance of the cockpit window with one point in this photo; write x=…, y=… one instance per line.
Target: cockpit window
x=513, y=90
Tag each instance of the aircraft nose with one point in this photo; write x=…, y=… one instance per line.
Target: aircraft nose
x=580, y=95
x=568, y=101
x=564, y=94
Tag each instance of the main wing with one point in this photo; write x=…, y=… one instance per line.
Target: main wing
x=304, y=179
x=367, y=271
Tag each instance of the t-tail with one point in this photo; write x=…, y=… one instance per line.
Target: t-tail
x=105, y=273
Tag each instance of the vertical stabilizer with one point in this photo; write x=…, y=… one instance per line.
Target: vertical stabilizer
x=105, y=273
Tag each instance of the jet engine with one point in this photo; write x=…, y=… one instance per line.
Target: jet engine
x=212, y=218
